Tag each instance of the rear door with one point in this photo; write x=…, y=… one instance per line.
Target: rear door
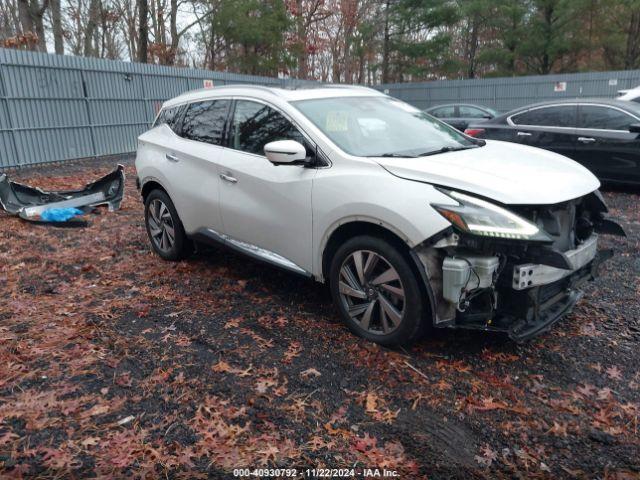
x=605, y=145
x=551, y=127
x=192, y=164
x=264, y=205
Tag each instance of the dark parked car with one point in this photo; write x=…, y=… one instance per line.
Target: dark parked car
x=459, y=115
x=602, y=135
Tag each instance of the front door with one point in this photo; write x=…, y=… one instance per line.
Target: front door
x=264, y=205
x=548, y=127
x=605, y=146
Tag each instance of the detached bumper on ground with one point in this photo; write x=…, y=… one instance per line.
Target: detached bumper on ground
x=29, y=203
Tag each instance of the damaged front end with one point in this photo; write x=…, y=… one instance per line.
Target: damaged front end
x=518, y=270
x=30, y=203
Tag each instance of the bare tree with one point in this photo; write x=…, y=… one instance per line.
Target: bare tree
x=56, y=26
x=126, y=10
x=90, y=48
x=143, y=30
x=9, y=19
x=31, y=15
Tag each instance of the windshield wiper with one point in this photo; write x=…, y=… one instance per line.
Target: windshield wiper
x=445, y=150
x=393, y=155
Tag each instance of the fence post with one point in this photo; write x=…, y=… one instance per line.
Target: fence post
x=85, y=96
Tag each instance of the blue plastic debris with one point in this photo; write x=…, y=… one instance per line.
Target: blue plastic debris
x=60, y=214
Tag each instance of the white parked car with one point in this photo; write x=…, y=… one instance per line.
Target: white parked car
x=412, y=223
x=632, y=95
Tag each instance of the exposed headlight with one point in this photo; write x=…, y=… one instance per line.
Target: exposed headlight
x=488, y=220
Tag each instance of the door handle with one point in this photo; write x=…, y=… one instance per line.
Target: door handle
x=586, y=139
x=228, y=178
x=172, y=158
x=524, y=134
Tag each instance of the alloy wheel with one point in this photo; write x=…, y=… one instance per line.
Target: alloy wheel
x=372, y=292
x=161, y=225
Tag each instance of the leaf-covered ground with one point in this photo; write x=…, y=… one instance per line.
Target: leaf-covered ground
x=114, y=363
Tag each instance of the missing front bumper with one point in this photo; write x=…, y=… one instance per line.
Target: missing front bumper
x=529, y=275
x=521, y=311
x=524, y=314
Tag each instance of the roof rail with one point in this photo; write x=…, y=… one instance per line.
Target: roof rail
x=362, y=87
x=235, y=85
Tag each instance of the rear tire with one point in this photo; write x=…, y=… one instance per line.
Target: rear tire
x=377, y=292
x=164, y=227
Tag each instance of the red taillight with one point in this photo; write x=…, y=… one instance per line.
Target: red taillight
x=474, y=132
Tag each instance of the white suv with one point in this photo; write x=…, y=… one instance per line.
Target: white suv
x=412, y=223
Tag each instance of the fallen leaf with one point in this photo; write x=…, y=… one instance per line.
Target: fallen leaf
x=125, y=420
x=310, y=372
x=371, y=402
x=614, y=373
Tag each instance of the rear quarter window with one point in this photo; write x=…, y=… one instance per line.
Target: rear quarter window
x=170, y=116
x=603, y=118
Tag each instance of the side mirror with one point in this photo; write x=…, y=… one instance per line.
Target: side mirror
x=487, y=116
x=634, y=128
x=285, y=151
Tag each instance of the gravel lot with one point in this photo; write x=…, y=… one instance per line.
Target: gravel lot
x=115, y=363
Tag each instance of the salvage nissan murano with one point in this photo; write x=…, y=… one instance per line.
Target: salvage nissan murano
x=412, y=223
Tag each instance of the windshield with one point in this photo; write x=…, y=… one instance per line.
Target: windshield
x=381, y=126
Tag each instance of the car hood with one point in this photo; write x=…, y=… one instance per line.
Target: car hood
x=509, y=173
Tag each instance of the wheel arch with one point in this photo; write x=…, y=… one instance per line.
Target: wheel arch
x=344, y=230
x=365, y=226
x=151, y=184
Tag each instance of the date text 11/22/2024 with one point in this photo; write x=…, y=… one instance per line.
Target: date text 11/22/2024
x=312, y=473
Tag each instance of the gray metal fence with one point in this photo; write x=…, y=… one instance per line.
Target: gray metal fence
x=508, y=93
x=55, y=108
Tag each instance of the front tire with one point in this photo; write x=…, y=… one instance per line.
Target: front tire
x=164, y=227
x=377, y=292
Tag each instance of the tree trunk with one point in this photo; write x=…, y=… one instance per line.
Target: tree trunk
x=31, y=19
x=301, y=32
x=546, y=63
x=56, y=21
x=472, y=48
x=632, y=52
x=25, y=16
x=212, y=45
x=175, y=38
x=90, y=48
x=143, y=30
x=386, y=45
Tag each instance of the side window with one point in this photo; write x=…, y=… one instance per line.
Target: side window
x=205, y=121
x=170, y=116
x=603, y=118
x=444, y=112
x=471, y=112
x=254, y=125
x=558, y=116
x=637, y=100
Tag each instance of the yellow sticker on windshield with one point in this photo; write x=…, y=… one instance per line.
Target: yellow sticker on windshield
x=337, y=121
